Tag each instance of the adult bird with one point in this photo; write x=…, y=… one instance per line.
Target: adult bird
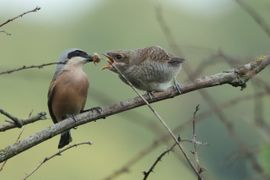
x=68, y=89
x=149, y=69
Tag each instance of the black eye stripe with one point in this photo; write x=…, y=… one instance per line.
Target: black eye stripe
x=77, y=53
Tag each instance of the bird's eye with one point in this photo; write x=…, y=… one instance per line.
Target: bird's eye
x=118, y=56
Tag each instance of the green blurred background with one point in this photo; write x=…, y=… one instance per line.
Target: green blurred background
x=200, y=27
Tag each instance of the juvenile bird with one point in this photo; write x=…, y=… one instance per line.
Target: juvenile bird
x=149, y=69
x=68, y=89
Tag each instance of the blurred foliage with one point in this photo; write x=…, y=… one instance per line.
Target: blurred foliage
x=265, y=158
x=118, y=24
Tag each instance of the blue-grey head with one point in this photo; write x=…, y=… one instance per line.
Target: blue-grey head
x=74, y=57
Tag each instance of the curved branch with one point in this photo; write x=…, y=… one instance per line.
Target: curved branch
x=236, y=77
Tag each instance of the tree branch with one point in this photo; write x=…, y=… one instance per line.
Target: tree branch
x=39, y=116
x=14, y=119
x=195, y=147
x=59, y=153
x=202, y=116
x=21, y=15
x=162, y=121
x=30, y=67
x=18, y=138
x=236, y=77
x=151, y=169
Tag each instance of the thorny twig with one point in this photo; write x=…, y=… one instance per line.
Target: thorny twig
x=46, y=159
x=21, y=15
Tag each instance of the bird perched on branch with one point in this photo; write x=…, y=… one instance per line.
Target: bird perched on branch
x=68, y=90
x=149, y=69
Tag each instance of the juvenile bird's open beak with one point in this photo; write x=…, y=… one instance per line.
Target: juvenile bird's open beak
x=110, y=62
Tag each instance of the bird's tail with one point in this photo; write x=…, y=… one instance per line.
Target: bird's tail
x=65, y=139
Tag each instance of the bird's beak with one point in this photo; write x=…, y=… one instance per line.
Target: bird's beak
x=95, y=58
x=110, y=62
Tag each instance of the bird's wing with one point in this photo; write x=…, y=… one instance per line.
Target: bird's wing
x=154, y=53
x=84, y=101
x=51, y=93
x=50, y=100
x=82, y=110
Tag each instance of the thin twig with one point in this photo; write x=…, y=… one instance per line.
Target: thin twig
x=236, y=77
x=30, y=67
x=230, y=61
x=46, y=159
x=21, y=15
x=151, y=169
x=194, y=138
x=202, y=116
x=255, y=16
x=39, y=116
x=15, y=120
x=161, y=120
x=17, y=140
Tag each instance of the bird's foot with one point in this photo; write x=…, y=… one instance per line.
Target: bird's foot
x=73, y=117
x=97, y=109
x=177, y=86
x=150, y=94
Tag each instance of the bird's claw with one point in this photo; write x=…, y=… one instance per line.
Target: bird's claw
x=72, y=116
x=150, y=94
x=98, y=109
x=177, y=86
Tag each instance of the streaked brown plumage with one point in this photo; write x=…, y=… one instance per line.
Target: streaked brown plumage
x=148, y=69
x=68, y=90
